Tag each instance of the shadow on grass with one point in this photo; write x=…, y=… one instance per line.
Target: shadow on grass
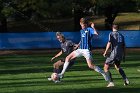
x=85, y=90
x=21, y=67
x=36, y=64
x=97, y=90
x=22, y=71
x=36, y=83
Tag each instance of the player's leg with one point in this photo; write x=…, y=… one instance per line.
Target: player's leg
x=96, y=68
x=71, y=63
x=93, y=66
x=87, y=54
x=107, y=72
x=57, y=66
x=109, y=75
x=67, y=61
x=122, y=73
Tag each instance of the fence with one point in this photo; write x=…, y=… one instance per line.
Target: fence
x=44, y=40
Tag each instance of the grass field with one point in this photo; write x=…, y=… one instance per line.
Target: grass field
x=126, y=21
x=28, y=74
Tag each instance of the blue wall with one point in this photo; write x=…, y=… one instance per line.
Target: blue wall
x=43, y=40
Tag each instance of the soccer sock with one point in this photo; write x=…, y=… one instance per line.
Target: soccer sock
x=65, y=66
x=56, y=70
x=109, y=76
x=99, y=70
x=122, y=73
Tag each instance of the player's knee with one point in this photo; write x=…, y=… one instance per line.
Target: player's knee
x=117, y=68
x=67, y=58
x=91, y=66
x=55, y=66
x=106, y=68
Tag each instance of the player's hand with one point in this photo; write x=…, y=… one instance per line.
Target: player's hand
x=76, y=46
x=52, y=58
x=104, y=54
x=92, y=25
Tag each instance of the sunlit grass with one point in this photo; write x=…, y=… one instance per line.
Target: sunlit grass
x=126, y=21
x=28, y=74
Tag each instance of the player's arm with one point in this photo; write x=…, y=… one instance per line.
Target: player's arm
x=108, y=45
x=95, y=31
x=76, y=45
x=107, y=48
x=57, y=55
x=72, y=44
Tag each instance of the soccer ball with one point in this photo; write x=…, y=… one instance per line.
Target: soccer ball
x=54, y=76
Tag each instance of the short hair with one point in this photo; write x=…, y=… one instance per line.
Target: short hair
x=84, y=21
x=115, y=26
x=60, y=34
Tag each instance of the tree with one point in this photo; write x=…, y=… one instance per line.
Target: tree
x=111, y=9
x=3, y=22
x=36, y=9
x=33, y=10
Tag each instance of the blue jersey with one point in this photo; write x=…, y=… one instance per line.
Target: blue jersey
x=86, y=36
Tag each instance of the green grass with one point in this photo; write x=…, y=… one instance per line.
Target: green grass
x=28, y=74
x=126, y=21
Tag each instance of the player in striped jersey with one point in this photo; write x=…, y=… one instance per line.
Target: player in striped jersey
x=84, y=48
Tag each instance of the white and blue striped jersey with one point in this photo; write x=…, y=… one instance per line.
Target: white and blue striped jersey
x=86, y=36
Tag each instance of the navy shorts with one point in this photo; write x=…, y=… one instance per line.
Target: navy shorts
x=71, y=62
x=115, y=61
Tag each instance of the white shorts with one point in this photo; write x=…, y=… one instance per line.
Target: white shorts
x=83, y=52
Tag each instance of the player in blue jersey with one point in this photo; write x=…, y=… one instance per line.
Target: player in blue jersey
x=117, y=44
x=84, y=48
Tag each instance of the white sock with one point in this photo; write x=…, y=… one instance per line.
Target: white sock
x=99, y=70
x=65, y=66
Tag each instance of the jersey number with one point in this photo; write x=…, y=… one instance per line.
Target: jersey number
x=119, y=38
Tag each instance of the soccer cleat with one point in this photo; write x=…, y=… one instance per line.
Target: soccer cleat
x=60, y=76
x=126, y=82
x=57, y=81
x=49, y=79
x=105, y=77
x=111, y=84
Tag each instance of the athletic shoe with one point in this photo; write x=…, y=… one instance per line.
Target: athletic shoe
x=49, y=79
x=111, y=84
x=105, y=77
x=126, y=82
x=57, y=81
x=60, y=76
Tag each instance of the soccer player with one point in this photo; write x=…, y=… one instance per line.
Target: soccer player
x=117, y=43
x=67, y=46
x=84, y=48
